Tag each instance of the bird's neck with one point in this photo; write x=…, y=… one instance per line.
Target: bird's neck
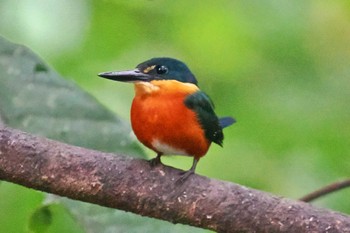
x=167, y=87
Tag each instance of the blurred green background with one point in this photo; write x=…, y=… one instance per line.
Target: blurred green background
x=281, y=68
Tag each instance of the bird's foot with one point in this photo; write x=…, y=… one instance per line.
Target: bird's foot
x=155, y=161
x=185, y=174
x=183, y=177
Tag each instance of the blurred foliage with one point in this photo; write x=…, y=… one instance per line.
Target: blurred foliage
x=36, y=99
x=281, y=68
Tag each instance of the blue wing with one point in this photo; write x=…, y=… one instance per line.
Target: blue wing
x=204, y=108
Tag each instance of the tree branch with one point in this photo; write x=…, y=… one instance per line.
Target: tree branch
x=132, y=185
x=333, y=187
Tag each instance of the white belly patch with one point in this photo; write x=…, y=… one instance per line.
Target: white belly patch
x=166, y=149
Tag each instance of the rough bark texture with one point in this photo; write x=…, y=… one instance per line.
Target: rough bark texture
x=132, y=185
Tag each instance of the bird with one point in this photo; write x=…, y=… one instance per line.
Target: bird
x=169, y=113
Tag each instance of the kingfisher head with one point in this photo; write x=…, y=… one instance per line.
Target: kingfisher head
x=162, y=68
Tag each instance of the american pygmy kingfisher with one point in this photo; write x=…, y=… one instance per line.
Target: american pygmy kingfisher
x=169, y=114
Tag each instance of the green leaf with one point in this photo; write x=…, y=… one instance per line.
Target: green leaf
x=16, y=205
x=96, y=219
x=53, y=218
x=40, y=220
x=36, y=99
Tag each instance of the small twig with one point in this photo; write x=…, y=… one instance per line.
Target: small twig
x=326, y=190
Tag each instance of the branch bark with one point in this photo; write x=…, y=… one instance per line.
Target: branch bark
x=132, y=185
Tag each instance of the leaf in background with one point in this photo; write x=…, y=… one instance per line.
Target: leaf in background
x=53, y=218
x=36, y=99
x=16, y=206
x=96, y=219
x=40, y=220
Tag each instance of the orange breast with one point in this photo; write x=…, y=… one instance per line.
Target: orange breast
x=162, y=122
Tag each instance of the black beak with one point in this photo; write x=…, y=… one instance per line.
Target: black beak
x=126, y=76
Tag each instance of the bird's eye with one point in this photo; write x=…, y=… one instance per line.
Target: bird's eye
x=161, y=69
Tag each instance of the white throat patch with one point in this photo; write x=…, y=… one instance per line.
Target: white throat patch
x=148, y=87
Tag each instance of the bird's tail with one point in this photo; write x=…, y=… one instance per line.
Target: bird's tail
x=226, y=121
